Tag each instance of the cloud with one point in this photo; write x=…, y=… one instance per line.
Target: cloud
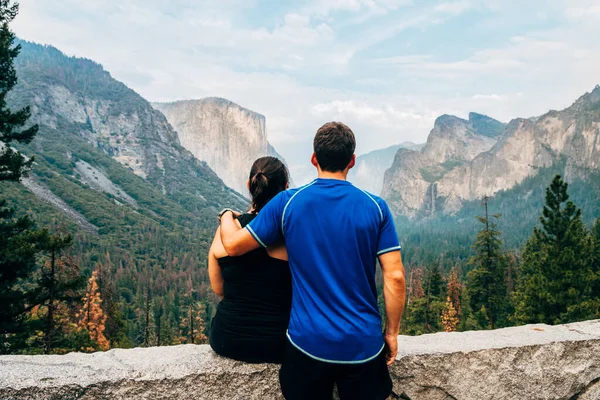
x=454, y=7
x=387, y=68
x=493, y=96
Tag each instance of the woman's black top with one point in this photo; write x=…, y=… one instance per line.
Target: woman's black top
x=252, y=318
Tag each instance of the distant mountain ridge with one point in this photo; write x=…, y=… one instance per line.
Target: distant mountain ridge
x=78, y=97
x=227, y=136
x=466, y=160
x=370, y=167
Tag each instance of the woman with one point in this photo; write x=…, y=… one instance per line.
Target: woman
x=256, y=291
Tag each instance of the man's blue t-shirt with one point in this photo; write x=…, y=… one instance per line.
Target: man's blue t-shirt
x=333, y=233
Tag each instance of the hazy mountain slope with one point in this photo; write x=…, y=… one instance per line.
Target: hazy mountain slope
x=77, y=97
x=370, y=168
x=225, y=135
x=110, y=170
x=449, y=237
x=409, y=184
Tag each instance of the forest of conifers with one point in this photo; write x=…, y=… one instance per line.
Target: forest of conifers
x=138, y=277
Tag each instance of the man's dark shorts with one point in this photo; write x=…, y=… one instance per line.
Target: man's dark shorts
x=304, y=378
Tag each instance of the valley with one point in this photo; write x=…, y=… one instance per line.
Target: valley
x=139, y=185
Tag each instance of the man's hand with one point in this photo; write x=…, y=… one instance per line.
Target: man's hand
x=236, y=241
x=391, y=348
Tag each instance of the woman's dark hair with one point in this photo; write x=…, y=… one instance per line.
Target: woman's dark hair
x=268, y=177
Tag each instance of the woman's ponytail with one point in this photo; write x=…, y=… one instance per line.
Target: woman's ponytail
x=268, y=177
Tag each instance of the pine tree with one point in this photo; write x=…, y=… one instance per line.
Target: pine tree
x=19, y=245
x=112, y=305
x=60, y=281
x=435, y=281
x=486, y=282
x=12, y=163
x=454, y=290
x=556, y=282
x=147, y=321
x=92, y=318
x=449, y=316
x=19, y=249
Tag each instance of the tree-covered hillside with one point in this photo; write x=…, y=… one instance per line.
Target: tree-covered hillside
x=145, y=208
x=449, y=237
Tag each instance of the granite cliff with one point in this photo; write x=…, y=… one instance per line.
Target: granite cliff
x=459, y=164
x=225, y=135
x=370, y=167
x=409, y=184
x=76, y=99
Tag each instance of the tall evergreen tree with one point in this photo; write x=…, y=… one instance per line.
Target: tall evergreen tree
x=19, y=248
x=486, y=282
x=60, y=281
x=557, y=274
x=19, y=243
x=454, y=289
x=12, y=163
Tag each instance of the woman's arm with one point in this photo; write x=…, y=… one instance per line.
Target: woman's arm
x=279, y=252
x=214, y=270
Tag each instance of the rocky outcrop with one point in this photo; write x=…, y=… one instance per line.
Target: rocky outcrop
x=570, y=138
x=224, y=135
x=462, y=163
x=370, y=168
x=454, y=139
x=534, y=362
x=410, y=184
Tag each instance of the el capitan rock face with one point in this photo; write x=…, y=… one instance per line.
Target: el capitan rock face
x=456, y=166
x=225, y=135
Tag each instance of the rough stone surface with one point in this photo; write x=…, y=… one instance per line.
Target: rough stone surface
x=534, y=362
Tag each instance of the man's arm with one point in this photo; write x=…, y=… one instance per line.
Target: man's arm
x=236, y=241
x=394, y=294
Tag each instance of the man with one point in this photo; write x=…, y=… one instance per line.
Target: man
x=333, y=233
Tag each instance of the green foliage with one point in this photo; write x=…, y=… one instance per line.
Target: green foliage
x=485, y=125
x=558, y=274
x=160, y=243
x=449, y=237
x=12, y=163
x=19, y=248
x=486, y=282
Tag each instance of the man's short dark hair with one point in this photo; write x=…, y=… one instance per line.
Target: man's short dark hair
x=334, y=146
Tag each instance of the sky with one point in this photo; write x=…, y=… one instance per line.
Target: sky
x=386, y=68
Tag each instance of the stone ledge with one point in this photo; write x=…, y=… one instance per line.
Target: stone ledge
x=527, y=362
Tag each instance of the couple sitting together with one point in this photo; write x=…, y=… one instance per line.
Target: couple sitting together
x=297, y=278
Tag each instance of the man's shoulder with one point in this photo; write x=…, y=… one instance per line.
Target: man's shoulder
x=293, y=192
x=376, y=200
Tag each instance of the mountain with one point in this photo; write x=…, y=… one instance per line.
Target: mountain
x=225, y=135
x=409, y=184
x=419, y=184
x=370, y=168
x=110, y=169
